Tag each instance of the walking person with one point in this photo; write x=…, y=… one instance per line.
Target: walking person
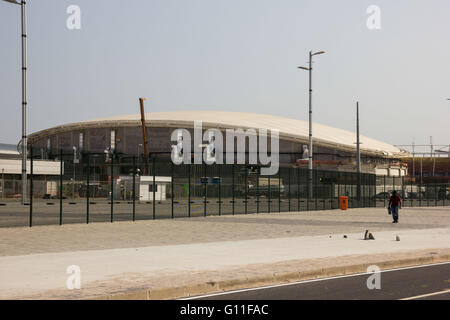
x=395, y=203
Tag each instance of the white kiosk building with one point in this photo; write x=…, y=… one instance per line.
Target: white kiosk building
x=146, y=188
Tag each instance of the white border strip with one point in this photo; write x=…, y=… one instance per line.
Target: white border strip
x=308, y=281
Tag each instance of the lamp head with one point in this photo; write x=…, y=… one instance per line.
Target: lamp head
x=12, y=1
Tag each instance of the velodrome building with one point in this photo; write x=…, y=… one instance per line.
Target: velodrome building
x=332, y=147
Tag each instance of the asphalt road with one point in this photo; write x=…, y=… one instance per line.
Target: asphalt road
x=431, y=282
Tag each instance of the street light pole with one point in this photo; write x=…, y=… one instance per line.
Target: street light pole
x=358, y=154
x=310, y=153
x=24, y=102
x=310, y=148
x=24, y=97
x=358, y=150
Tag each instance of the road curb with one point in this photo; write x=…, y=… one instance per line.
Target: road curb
x=270, y=279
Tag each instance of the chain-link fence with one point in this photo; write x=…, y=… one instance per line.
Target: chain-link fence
x=413, y=191
x=107, y=188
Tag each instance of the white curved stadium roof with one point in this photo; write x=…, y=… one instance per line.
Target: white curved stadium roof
x=291, y=129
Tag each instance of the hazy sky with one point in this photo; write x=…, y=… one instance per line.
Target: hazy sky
x=232, y=55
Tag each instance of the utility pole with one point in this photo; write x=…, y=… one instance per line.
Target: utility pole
x=358, y=153
x=310, y=148
x=24, y=97
x=24, y=103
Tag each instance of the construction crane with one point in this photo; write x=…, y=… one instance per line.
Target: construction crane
x=144, y=135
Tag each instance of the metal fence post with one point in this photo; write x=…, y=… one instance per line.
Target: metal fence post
x=384, y=190
x=219, y=166
x=245, y=193
x=367, y=191
x=309, y=190
x=171, y=187
x=298, y=189
x=402, y=181
x=345, y=184
x=112, y=187
x=205, y=189
x=87, y=188
x=411, y=192
x=315, y=189
x=61, y=163
x=351, y=198
x=358, y=188
x=393, y=182
x=269, y=198
x=279, y=190
x=339, y=187
x=232, y=186
x=435, y=194
x=31, y=186
x=420, y=192
x=134, y=188
x=374, y=190
x=324, y=194
x=258, y=171
x=289, y=182
x=189, y=190
x=364, y=190
x=154, y=188
x=444, y=189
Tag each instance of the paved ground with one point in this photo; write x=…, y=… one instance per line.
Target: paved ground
x=430, y=283
x=164, y=253
x=99, y=236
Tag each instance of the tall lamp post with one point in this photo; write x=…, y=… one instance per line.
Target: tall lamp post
x=24, y=97
x=358, y=155
x=310, y=148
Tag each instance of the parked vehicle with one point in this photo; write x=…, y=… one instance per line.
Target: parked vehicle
x=383, y=195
